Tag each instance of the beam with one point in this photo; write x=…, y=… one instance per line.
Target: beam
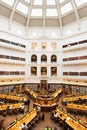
x=60, y=19
x=29, y=13
x=76, y=12
x=12, y=13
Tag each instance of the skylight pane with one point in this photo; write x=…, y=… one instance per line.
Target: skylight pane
x=22, y=8
x=36, y=12
x=66, y=8
x=80, y=2
x=37, y=2
x=61, y=1
x=9, y=2
x=51, y=2
x=51, y=12
x=28, y=1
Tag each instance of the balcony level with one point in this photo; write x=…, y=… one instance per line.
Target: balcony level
x=76, y=62
x=10, y=61
x=74, y=46
x=12, y=47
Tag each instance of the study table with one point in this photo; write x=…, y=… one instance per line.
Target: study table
x=70, y=121
x=46, y=107
x=13, y=106
x=31, y=92
x=11, y=97
x=57, y=92
x=78, y=107
x=27, y=119
x=45, y=101
x=72, y=99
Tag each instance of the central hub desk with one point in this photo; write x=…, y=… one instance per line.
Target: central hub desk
x=46, y=102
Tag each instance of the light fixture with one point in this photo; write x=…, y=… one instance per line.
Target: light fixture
x=34, y=34
x=69, y=31
x=19, y=31
x=53, y=34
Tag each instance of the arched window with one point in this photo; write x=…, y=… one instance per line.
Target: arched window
x=53, y=71
x=53, y=58
x=44, y=58
x=43, y=70
x=34, y=58
x=33, y=71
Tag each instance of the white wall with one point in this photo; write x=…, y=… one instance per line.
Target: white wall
x=17, y=34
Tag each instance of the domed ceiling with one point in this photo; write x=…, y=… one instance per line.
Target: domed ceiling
x=43, y=13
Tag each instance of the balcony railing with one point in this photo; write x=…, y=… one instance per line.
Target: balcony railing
x=75, y=73
x=75, y=60
x=12, y=43
x=75, y=45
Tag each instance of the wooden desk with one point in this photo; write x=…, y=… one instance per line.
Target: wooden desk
x=57, y=92
x=14, y=106
x=61, y=114
x=74, y=124
x=71, y=99
x=70, y=121
x=78, y=107
x=2, y=96
x=31, y=92
x=46, y=107
x=27, y=118
x=11, y=97
x=3, y=107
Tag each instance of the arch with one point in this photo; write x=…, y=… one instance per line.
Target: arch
x=34, y=58
x=53, y=58
x=33, y=70
x=53, y=71
x=44, y=58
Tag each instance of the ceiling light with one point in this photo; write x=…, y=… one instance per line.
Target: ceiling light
x=19, y=31
x=69, y=32
x=53, y=34
x=34, y=34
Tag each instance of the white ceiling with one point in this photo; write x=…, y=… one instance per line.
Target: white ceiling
x=44, y=13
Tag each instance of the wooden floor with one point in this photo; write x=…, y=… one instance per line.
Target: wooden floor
x=42, y=124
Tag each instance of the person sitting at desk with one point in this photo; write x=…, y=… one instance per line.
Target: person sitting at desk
x=24, y=126
x=22, y=108
x=56, y=116
x=42, y=117
x=38, y=109
x=53, y=114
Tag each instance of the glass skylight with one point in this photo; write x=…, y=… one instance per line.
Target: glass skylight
x=51, y=2
x=9, y=2
x=28, y=1
x=51, y=12
x=37, y=2
x=66, y=8
x=36, y=12
x=61, y=1
x=80, y=2
x=22, y=8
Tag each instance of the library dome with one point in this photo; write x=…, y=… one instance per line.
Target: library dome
x=44, y=13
